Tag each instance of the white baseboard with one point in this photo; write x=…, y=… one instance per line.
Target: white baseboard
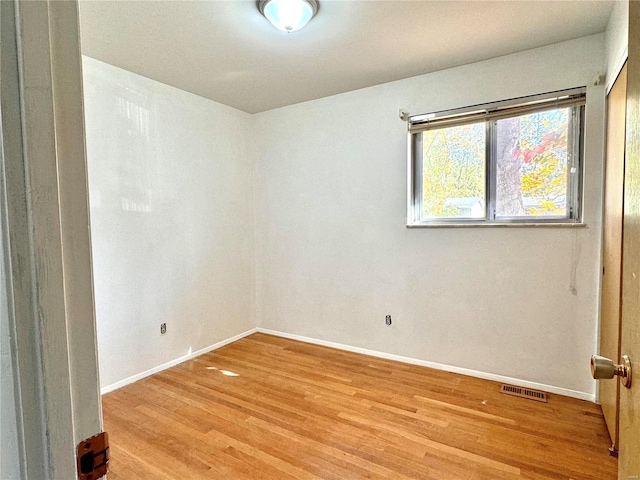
x=437, y=366
x=173, y=363
x=374, y=353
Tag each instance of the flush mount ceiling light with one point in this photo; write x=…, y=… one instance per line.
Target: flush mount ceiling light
x=288, y=15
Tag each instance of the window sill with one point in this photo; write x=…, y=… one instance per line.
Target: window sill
x=499, y=225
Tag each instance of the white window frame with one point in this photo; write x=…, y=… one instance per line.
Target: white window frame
x=490, y=113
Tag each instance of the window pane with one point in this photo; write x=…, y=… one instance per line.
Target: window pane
x=454, y=172
x=532, y=165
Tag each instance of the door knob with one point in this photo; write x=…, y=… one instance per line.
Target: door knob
x=604, y=368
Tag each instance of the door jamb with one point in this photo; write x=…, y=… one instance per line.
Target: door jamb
x=46, y=225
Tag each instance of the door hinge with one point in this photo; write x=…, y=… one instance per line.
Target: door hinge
x=93, y=457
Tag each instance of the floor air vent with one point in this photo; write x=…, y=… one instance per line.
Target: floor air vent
x=524, y=393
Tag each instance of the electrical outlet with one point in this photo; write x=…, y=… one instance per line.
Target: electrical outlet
x=387, y=319
x=163, y=328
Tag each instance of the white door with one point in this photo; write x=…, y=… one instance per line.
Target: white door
x=46, y=224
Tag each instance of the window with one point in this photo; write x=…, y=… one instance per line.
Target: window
x=511, y=162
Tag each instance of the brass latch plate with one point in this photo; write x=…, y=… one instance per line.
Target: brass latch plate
x=93, y=457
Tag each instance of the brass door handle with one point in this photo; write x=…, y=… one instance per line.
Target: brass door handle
x=603, y=368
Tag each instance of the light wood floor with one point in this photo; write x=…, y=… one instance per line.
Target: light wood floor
x=269, y=408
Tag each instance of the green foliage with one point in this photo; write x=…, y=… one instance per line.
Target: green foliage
x=453, y=166
x=544, y=153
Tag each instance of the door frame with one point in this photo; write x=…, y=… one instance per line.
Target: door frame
x=45, y=222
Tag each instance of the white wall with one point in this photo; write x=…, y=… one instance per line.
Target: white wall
x=171, y=219
x=172, y=200
x=334, y=256
x=617, y=39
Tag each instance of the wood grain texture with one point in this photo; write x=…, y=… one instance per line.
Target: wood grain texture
x=610, y=304
x=266, y=407
x=630, y=338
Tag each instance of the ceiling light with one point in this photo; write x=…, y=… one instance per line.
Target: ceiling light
x=288, y=15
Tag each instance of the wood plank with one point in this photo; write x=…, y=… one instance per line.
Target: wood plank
x=630, y=337
x=610, y=305
x=271, y=408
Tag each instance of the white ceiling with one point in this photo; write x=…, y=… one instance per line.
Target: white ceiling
x=228, y=52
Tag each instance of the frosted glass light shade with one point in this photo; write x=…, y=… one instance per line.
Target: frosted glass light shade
x=288, y=15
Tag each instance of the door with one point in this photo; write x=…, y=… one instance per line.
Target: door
x=612, y=248
x=627, y=411
x=46, y=243
x=629, y=466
